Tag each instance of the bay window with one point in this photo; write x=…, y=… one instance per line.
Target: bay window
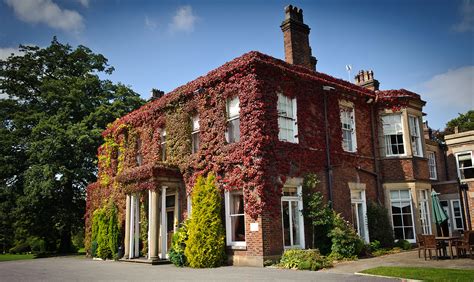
x=348, y=129
x=415, y=136
x=235, y=218
x=423, y=204
x=393, y=135
x=402, y=215
x=233, y=120
x=287, y=123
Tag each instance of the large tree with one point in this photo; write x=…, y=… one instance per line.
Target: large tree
x=464, y=122
x=53, y=109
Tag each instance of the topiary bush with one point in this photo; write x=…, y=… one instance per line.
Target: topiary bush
x=345, y=241
x=178, y=245
x=205, y=246
x=380, y=228
x=304, y=260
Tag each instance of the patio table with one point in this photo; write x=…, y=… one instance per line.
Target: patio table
x=450, y=240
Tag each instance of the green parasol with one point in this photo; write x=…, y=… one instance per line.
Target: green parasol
x=438, y=212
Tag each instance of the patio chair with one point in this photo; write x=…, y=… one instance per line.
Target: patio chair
x=421, y=244
x=431, y=244
x=466, y=244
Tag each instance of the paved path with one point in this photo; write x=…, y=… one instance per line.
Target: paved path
x=401, y=259
x=81, y=269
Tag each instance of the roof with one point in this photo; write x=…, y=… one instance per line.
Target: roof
x=241, y=64
x=401, y=93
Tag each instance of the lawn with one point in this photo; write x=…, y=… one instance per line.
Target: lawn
x=424, y=273
x=7, y=257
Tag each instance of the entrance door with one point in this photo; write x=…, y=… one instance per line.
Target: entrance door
x=292, y=218
x=170, y=219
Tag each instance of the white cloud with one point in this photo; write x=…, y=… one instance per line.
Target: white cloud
x=183, y=20
x=6, y=52
x=150, y=23
x=84, y=3
x=467, y=14
x=448, y=94
x=47, y=12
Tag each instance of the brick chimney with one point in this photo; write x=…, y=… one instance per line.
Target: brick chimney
x=366, y=79
x=155, y=94
x=296, y=39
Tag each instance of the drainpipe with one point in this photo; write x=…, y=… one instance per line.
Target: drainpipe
x=445, y=157
x=328, y=155
x=374, y=154
x=465, y=208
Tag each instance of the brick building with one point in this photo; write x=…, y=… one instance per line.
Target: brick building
x=261, y=125
x=452, y=175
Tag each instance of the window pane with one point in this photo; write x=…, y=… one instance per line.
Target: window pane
x=195, y=142
x=295, y=221
x=397, y=220
x=396, y=209
x=170, y=200
x=286, y=223
x=407, y=220
x=170, y=221
x=394, y=194
x=236, y=204
x=398, y=232
x=404, y=194
x=406, y=208
x=233, y=131
x=409, y=233
x=233, y=107
x=238, y=228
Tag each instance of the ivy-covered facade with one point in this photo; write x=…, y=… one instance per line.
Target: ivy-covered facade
x=260, y=125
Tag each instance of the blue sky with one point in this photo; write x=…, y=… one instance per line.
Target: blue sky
x=426, y=46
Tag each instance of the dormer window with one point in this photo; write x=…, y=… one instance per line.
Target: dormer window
x=287, y=123
x=393, y=135
x=348, y=129
x=415, y=136
x=163, y=144
x=195, y=133
x=233, y=120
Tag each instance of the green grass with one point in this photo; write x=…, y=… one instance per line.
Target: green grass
x=8, y=257
x=424, y=273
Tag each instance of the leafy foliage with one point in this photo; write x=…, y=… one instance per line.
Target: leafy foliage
x=304, y=259
x=345, y=241
x=318, y=213
x=379, y=225
x=178, y=245
x=106, y=232
x=51, y=124
x=464, y=122
x=205, y=245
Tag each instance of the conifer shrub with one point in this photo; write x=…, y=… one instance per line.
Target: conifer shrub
x=379, y=225
x=345, y=241
x=205, y=246
x=178, y=245
x=105, y=232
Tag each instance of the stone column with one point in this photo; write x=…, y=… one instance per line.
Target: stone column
x=153, y=243
x=163, y=228
x=126, y=243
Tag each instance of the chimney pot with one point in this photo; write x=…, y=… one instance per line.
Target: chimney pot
x=366, y=79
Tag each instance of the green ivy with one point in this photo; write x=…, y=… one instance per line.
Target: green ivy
x=206, y=244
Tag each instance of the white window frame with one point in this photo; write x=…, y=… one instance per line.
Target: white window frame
x=285, y=105
x=228, y=221
x=163, y=144
x=455, y=226
x=432, y=165
x=195, y=129
x=457, y=163
x=299, y=199
x=387, y=140
x=231, y=117
x=351, y=127
x=415, y=135
x=139, y=155
x=424, y=211
x=446, y=209
x=361, y=201
x=412, y=214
